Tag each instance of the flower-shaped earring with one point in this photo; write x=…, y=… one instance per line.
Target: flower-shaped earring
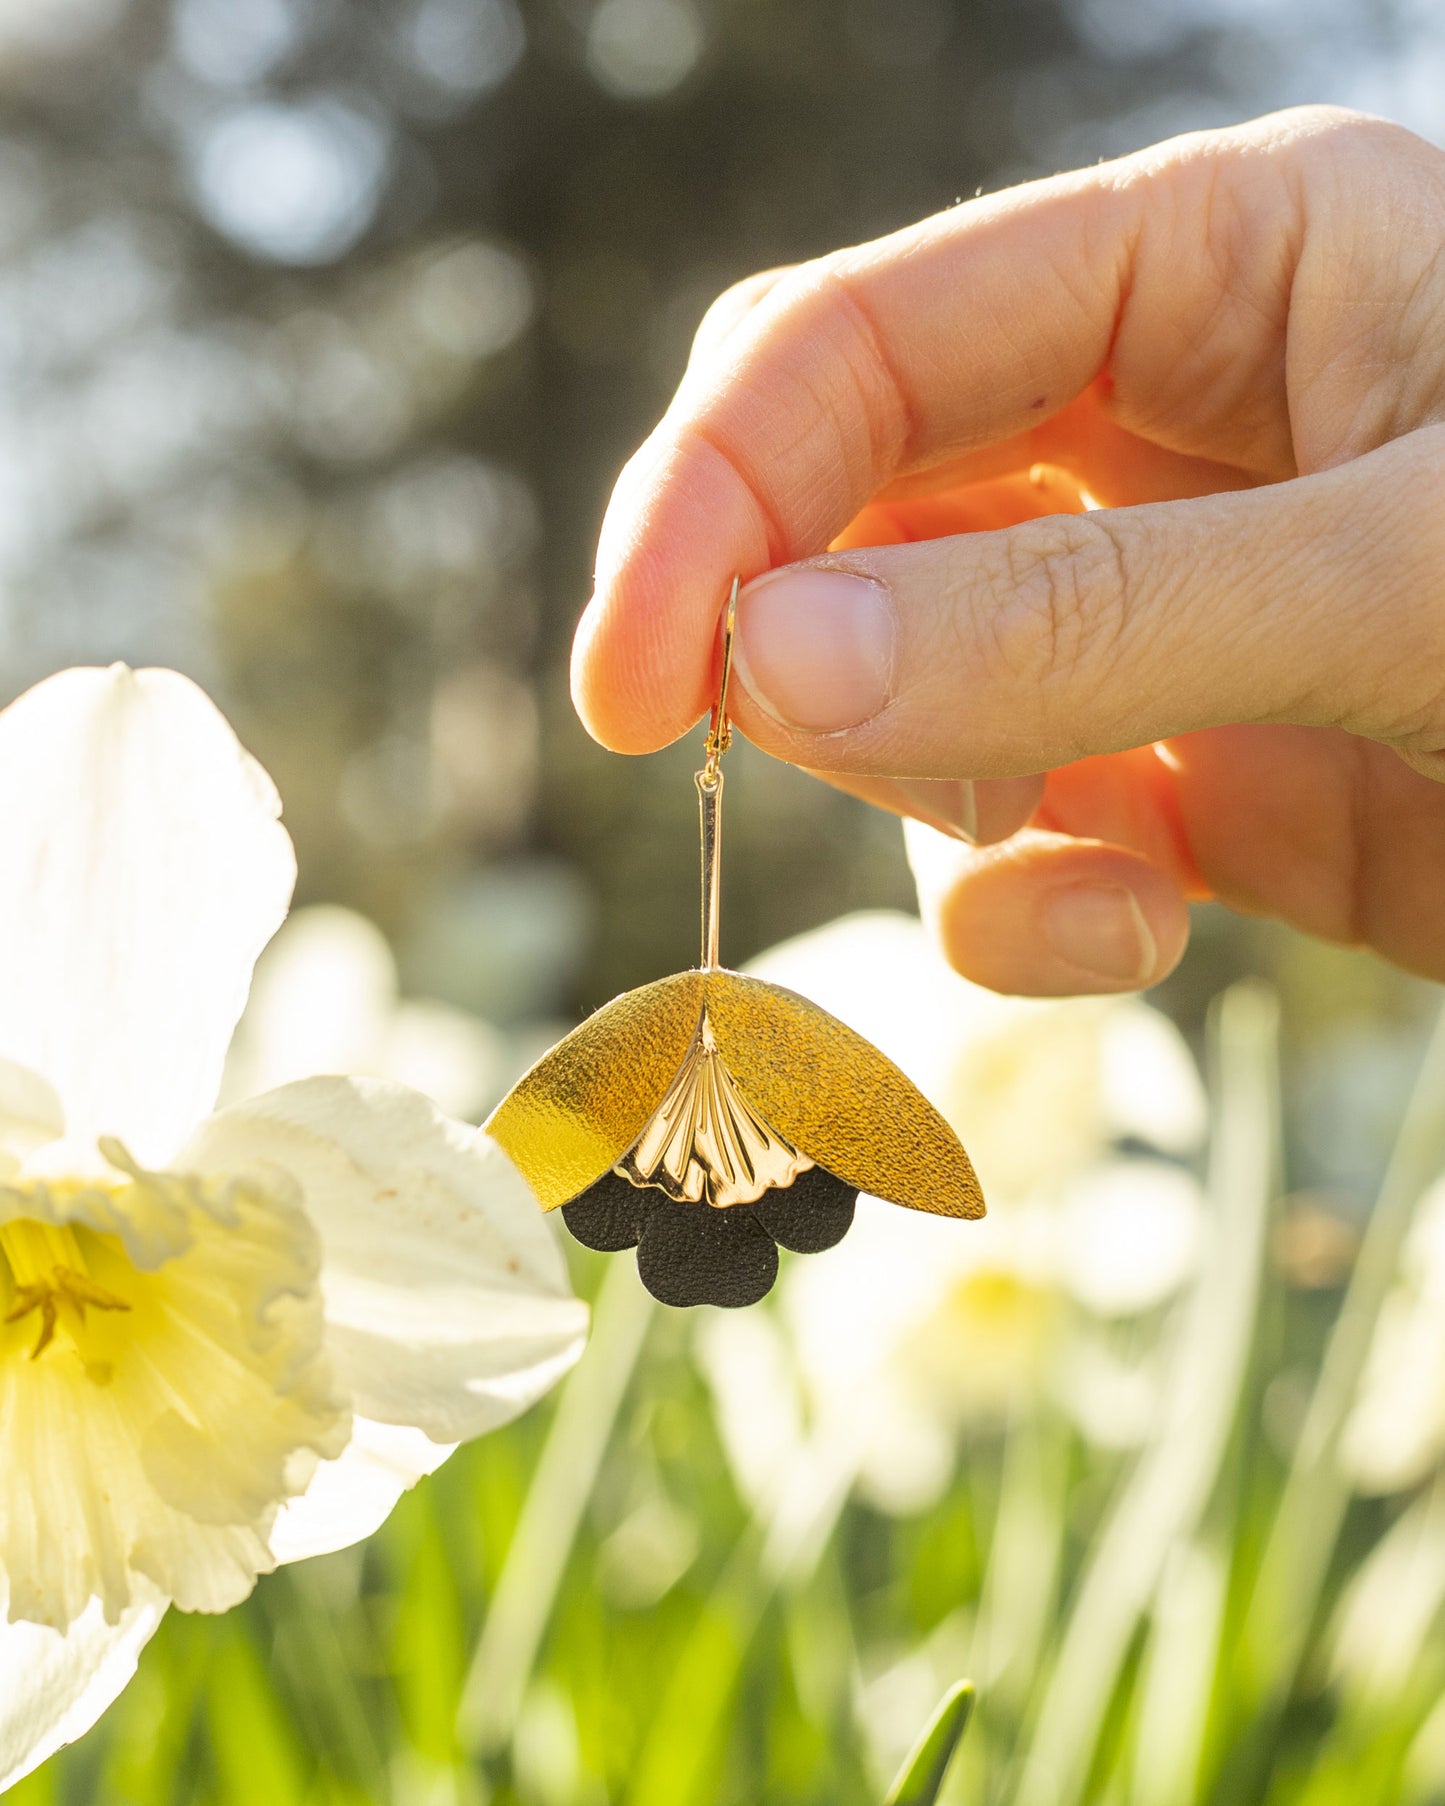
x=709, y=1119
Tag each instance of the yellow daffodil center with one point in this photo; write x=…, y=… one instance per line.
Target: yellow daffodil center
x=163, y=1385
x=996, y=1300
x=999, y=1323
x=981, y=1349
x=47, y=1279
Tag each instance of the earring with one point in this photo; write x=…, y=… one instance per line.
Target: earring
x=709, y=1119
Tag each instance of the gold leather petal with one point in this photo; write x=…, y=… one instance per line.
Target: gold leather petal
x=837, y=1098
x=582, y=1106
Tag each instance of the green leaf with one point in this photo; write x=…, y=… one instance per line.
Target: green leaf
x=38, y=1788
x=428, y=1653
x=678, y=1762
x=922, y=1775
x=254, y=1746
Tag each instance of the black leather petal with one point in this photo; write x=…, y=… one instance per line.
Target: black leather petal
x=695, y=1254
x=610, y=1214
x=813, y=1213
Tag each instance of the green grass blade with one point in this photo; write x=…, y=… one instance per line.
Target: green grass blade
x=255, y=1749
x=1020, y=1596
x=38, y=1788
x=428, y=1652
x=923, y=1774
x=542, y=1543
x=1177, y=1677
x=1164, y=1499
x=677, y=1762
x=1317, y=1493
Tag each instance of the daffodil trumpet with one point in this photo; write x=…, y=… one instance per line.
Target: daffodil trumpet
x=709, y=1118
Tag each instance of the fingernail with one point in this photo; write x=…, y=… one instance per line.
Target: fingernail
x=815, y=648
x=949, y=804
x=1100, y=928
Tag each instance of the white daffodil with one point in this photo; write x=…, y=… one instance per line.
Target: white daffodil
x=916, y=1325
x=913, y=1335
x=1034, y=1086
x=1395, y=1436
x=226, y=1340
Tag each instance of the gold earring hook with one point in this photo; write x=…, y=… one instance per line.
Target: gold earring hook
x=709, y=783
x=719, y=732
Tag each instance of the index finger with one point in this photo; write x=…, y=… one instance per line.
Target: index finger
x=956, y=333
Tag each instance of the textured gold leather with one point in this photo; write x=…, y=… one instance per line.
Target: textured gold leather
x=583, y=1106
x=838, y=1099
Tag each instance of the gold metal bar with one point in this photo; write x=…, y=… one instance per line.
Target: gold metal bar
x=709, y=799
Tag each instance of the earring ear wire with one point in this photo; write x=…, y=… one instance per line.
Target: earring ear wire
x=709, y=783
x=719, y=732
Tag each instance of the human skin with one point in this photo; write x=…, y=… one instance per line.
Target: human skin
x=1230, y=350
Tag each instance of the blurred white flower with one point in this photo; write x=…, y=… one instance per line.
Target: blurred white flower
x=915, y=1326
x=1390, y=1603
x=1395, y=1435
x=325, y=998
x=1035, y=1087
x=1127, y=1235
x=225, y=1340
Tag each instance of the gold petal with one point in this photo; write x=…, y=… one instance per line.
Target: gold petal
x=583, y=1105
x=837, y=1098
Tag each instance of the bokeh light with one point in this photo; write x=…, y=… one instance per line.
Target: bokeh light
x=298, y=182
x=640, y=49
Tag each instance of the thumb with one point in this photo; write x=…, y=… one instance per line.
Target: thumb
x=1318, y=601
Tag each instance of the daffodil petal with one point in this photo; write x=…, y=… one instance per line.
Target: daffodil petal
x=1129, y=1233
x=54, y=1685
x=583, y=1105
x=447, y=1300
x=838, y=1099
x=353, y=1496
x=145, y=868
x=29, y=1100
x=30, y=1115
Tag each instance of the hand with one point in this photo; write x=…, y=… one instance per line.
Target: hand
x=1230, y=351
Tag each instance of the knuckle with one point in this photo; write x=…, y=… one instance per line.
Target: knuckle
x=1338, y=129
x=731, y=307
x=1405, y=536
x=1373, y=661
x=1402, y=558
x=1424, y=498
x=1322, y=118
x=1059, y=600
x=1354, y=148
